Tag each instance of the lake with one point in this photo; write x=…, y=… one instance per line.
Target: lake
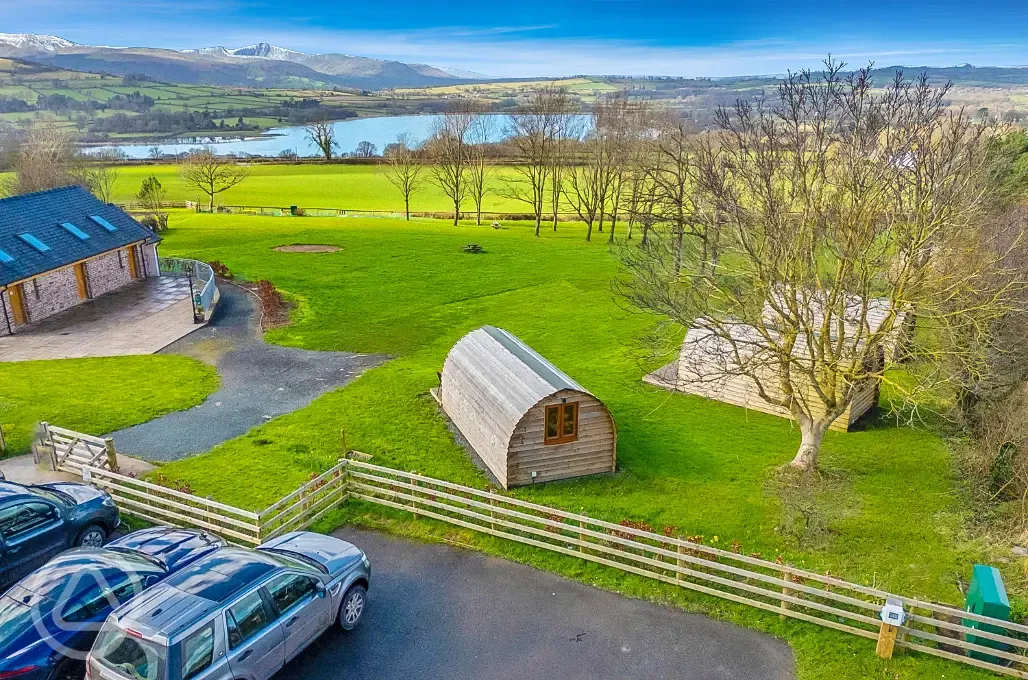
x=349, y=133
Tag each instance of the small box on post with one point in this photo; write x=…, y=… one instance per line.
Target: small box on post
x=892, y=616
x=987, y=597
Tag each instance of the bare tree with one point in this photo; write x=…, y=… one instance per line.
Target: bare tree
x=567, y=130
x=479, y=170
x=450, y=150
x=585, y=183
x=321, y=134
x=100, y=172
x=44, y=159
x=365, y=149
x=151, y=194
x=533, y=134
x=842, y=211
x=211, y=174
x=404, y=169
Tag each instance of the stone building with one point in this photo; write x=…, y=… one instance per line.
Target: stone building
x=62, y=247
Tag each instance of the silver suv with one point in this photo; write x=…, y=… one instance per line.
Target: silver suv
x=238, y=614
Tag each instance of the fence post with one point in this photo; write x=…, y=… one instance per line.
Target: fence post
x=492, y=515
x=679, y=576
x=112, y=455
x=785, y=591
x=886, y=640
x=581, y=537
x=3, y=443
x=413, y=505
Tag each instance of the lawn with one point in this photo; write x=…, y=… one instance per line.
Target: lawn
x=97, y=396
x=891, y=501
x=357, y=187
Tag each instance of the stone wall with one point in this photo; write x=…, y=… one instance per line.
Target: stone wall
x=6, y=315
x=108, y=272
x=50, y=293
x=57, y=291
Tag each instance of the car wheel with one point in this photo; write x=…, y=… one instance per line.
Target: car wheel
x=92, y=536
x=351, y=611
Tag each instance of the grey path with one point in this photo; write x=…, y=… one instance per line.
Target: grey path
x=258, y=382
x=437, y=612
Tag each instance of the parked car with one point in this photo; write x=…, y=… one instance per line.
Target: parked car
x=50, y=619
x=38, y=522
x=236, y=614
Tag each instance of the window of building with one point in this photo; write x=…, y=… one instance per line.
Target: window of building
x=561, y=423
x=34, y=242
x=74, y=231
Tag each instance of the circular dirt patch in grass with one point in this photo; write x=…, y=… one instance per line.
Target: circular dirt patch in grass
x=307, y=248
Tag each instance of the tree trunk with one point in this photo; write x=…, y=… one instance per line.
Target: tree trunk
x=589, y=230
x=538, y=223
x=811, y=434
x=406, y=206
x=478, y=219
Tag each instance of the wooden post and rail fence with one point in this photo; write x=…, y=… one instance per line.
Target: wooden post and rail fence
x=930, y=628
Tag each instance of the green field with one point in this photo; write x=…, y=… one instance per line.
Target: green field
x=701, y=467
x=358, y=187
x=97, y=396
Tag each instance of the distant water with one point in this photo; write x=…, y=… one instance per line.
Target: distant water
x=349, y=133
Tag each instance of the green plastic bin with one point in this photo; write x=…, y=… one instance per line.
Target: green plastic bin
x=987, y=597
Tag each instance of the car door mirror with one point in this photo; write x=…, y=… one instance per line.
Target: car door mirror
x=321, y=590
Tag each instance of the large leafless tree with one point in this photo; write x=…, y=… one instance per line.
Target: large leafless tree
x=321, y=134
x=100, y=172
x=404, y=169
x=44, y=158
x=842, y=210
x=211, y=174
x=537, y=134
x=479, y=170
x=450, y=149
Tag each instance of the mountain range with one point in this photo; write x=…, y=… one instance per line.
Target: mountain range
x=260, y=65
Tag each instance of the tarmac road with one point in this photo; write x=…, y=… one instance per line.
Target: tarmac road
x=438, y=612
x=258, y=382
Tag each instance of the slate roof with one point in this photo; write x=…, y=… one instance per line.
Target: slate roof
x=41, y=215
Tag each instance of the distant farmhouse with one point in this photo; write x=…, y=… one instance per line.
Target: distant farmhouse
x=526, y=419
x=61, y=247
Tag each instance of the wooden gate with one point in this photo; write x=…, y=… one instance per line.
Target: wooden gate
x=70, y=451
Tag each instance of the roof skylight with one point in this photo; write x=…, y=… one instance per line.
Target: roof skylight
x=103, y=223
x=5, y=258
x=34, y=242
x=75, y=231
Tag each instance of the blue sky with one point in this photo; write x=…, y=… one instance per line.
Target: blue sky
x=548, y=38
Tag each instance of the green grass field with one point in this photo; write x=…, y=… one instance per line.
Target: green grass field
x=702, y=467
x=97, y=396
x=358, y=187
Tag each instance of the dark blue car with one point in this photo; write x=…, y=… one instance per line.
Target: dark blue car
x=38, y=522
x=49, y=620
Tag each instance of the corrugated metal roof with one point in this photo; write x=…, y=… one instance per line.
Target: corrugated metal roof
x=533, y=360
x=41, y=215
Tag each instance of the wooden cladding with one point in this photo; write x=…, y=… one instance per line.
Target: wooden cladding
x=133, y=263
x=82, y=280
x=17, y=297
x=561, y=423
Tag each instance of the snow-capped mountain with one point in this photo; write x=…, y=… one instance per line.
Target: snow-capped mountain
x=30, y=43
x=258, y=65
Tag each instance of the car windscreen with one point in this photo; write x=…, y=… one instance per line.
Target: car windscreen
x=74, y=571
x=50, y=494
x=15, y=621
x=129, y=656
